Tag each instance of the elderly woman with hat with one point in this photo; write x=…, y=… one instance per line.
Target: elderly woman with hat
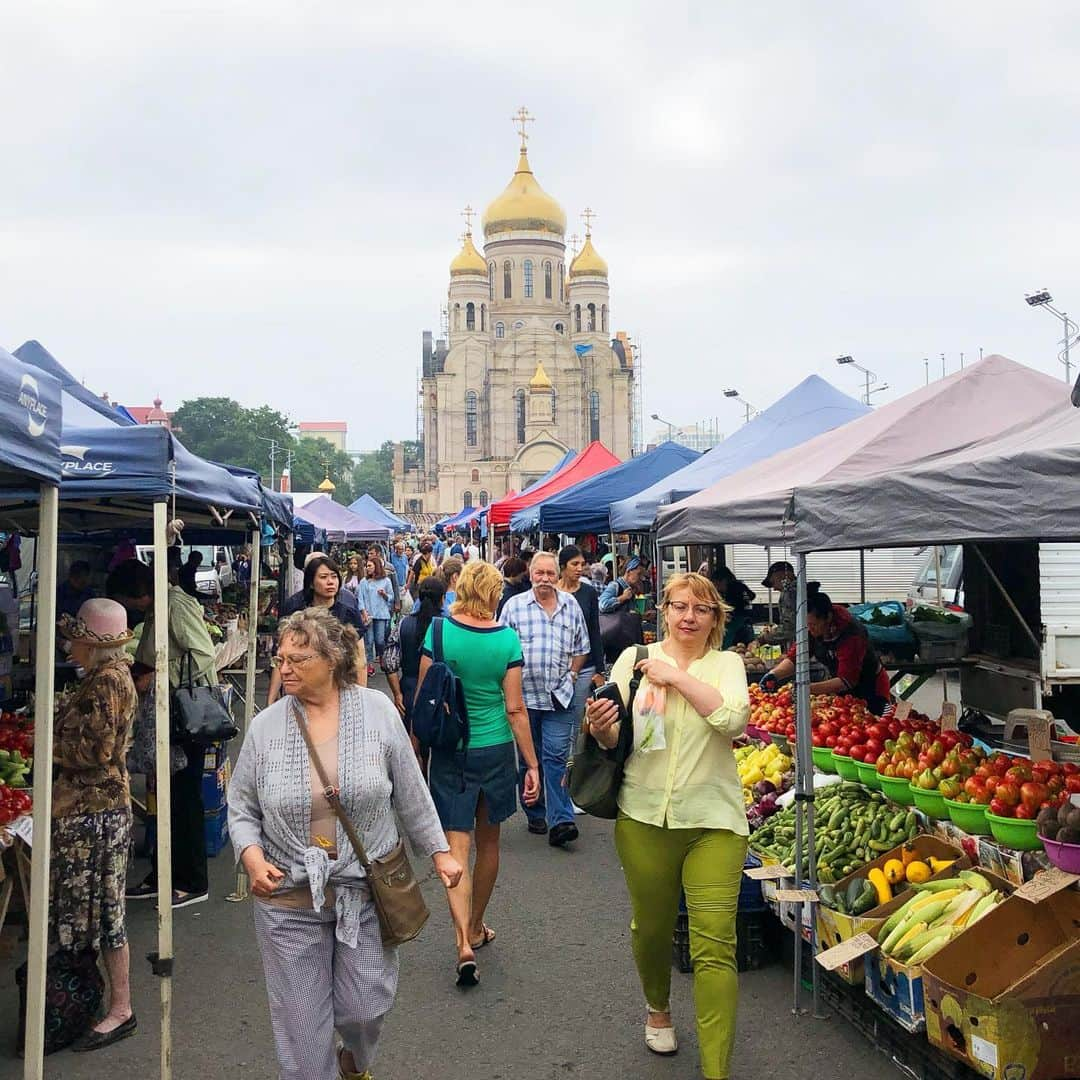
x=91, y=806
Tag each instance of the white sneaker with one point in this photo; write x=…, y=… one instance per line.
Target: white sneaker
x=661, y=1040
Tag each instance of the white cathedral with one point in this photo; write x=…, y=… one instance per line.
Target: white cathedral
x=530, y=369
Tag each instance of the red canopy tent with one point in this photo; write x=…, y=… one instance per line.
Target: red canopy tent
x=595, y=458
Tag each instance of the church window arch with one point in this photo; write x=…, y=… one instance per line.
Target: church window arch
x=470, y=316
x=483, y=498
x=483, y=316
x=547, y=279
x=457, y=316
x=560, y=328
x=603, y=318
x=528, y=271
x=577, y=318
x=508, y=289
x=475, y=476
x=466, y=499
x=519, y=415
x=591, y=324
x=471, y=409
x=500, y=329
x=594, y=416
x=491, y=281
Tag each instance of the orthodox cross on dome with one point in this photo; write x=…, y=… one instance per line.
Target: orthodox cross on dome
x=522, y=117
x=587, y=216
x=574, y=239
x=467, y=214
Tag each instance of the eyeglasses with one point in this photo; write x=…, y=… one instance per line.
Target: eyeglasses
x=702, y=611
x=293, y=661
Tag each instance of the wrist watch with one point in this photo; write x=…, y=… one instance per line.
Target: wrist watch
x=573, y=676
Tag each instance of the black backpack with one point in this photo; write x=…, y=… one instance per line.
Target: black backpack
x=440, y=720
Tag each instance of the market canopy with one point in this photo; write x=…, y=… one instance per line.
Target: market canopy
x=82, y=408
x=584, y=508
x=760, y=504
x=1019, y=485
x=340, y=523
x=368, y=507
x=593, y=459
x=30, y=418
x=812, y=407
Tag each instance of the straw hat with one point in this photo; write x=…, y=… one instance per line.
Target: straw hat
x=100, y=623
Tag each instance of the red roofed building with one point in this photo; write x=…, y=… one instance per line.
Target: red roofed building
x=153, y=415
x=333, y=431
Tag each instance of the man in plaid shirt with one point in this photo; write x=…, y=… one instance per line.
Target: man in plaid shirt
x=555, y=646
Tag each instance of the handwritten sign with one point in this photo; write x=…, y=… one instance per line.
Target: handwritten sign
x=796, y=896
x=768, y=873
x=846, y=952
x=949, y=716
x=903, y=711
x=23, y=828
x=1039, y=738
x=1045, y=884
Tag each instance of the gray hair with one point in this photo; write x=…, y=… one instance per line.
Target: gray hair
x=104, y=654
x=332, y=639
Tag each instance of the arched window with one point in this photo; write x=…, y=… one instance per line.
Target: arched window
x=577, y=318
x=470, y=316
x=519, y=325
x=594, y=416
x=560, y=282
x=483, y=498
x=491, y=281
x=457, y=316
x=466, y=499
x=507, y=289
x=470, y=418
x=528, y=278
x=559, y=328
x=603, y=318
x=519, y=415
x=500, y=330
x=592, y=317
x=547, y=280
x=483, y=316
x=475, y=476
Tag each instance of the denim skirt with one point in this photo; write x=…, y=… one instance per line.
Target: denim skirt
x=459, y=779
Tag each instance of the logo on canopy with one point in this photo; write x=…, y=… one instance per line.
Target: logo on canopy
x=37, y=412
x=80, y=464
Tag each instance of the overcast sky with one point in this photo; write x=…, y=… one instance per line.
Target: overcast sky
x=261, y=199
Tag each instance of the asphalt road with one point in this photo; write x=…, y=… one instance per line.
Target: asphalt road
x=558, y=995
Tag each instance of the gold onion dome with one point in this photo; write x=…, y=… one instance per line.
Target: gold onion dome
x=587, y=262
x=524, y=206
x=540, y=380
x=468, y=260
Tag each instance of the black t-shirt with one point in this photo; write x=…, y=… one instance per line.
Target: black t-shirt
x=340, y=609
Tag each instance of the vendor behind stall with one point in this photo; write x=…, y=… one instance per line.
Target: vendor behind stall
x=739, y=628
x=781, y=579
x=840, y=643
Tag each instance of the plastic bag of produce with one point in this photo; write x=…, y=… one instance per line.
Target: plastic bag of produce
x=934, y=624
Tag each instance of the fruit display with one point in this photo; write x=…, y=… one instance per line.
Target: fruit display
x=757, y=657
x=853, y=826
x=882, y=884
x=17, y=733
x=928, y=757
x=1061, y=824
x=937, y=912
x=765, y=772
x=775, y=712
x=16, y=759
x=14, y=803
x=14, y=768
x=1016, y=787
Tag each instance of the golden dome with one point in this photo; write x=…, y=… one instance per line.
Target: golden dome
x=524, y=206
x=468, y=260
x=327, y=485
x=587, y=263
x=540, y=380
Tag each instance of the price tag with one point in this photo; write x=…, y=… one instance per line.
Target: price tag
x=903, y=711
x=846, y=951
x=948, y=716
x=796, y=896
x=768, y=873
x=23, y=828
x=1044, y=884
x=1039, y=738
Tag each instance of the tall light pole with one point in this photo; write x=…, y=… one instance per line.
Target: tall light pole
x=275, y=446
x=871, y=378
x=750, y=410
x=670, y=425
x=1071, y=333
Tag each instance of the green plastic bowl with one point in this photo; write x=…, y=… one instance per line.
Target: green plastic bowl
x=931, y=803
x=971, y=817
x=823, y=759
x=847, y=768
x=898, y=789
x=1014, y=833
x=868, y=775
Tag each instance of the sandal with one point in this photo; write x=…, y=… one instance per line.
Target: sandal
x=467, y=973
x=487, y=937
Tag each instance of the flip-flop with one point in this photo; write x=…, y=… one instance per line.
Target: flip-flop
x=487, y=938
x=467, y=973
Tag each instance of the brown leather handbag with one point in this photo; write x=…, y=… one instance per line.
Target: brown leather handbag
x=394, y=888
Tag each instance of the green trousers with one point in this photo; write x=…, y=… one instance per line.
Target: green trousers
x=707, y=865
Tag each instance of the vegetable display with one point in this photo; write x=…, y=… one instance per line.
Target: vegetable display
x=16, y=759
x=765, y=773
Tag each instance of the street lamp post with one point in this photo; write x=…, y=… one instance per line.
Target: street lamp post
x=870, y=377
x=275, y=446
x=670, y=426
x=1071, y=333
x=750, y=410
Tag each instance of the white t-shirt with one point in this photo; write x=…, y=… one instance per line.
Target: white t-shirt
x=473, y=552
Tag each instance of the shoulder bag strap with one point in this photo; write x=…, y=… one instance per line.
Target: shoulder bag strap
x=436, y=640
x=329, y=790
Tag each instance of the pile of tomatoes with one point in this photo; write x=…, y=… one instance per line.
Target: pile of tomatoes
x=775, y=712
x=1019, y=788
x=14, y=803
x=17, y=733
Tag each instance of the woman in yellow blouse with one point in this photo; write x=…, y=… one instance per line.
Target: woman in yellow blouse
x=682, y=824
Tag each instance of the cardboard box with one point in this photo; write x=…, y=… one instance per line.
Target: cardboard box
x=1014, y=866
x=953, y=834
x=1005, y=996
x=898, y=988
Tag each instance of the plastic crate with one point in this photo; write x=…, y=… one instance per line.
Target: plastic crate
x=756, y=941
x=216, y=831
x=213, y=790
x=750, y=898
x=934, y=652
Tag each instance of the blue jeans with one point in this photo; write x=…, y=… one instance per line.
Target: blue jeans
x=375, y=638
x=553, y=738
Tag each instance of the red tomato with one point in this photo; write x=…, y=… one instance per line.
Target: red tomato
x=1026, y=813
x=1000, y=809
x=1008, y=792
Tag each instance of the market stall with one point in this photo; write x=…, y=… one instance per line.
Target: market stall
x=367, y=507
x=339, y=524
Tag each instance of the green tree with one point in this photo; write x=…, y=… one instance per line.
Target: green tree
x=221, y=429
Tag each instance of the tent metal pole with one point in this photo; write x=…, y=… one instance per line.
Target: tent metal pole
x=164, y=958
x=862, y=575
x=41, y=850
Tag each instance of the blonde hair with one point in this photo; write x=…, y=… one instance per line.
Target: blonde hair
x=703, y=590
x=479, y=588
x=107, y=654
x=332, y=639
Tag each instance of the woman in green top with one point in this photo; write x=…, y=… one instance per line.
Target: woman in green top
x=475, y=789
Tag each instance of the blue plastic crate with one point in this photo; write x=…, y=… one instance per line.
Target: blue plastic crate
x=750, y=898
x=213, y=790
x=216, y=831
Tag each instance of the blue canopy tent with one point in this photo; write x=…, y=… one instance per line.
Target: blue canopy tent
x=584, y=507
x=812, y=407
x=371, y=509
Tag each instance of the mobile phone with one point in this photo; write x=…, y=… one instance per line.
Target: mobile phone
x=608, y=692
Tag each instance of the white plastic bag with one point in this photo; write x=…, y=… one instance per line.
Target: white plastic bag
x=649, y=705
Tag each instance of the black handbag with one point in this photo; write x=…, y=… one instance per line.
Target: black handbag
x=74, y=990
x=198, y=714
x=596, y=773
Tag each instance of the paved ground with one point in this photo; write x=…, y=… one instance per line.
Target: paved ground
x=558, y=996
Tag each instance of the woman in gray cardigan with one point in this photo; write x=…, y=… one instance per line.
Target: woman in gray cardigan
x=325, y=965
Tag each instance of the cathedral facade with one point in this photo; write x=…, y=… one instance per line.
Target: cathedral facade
x=530, y=368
